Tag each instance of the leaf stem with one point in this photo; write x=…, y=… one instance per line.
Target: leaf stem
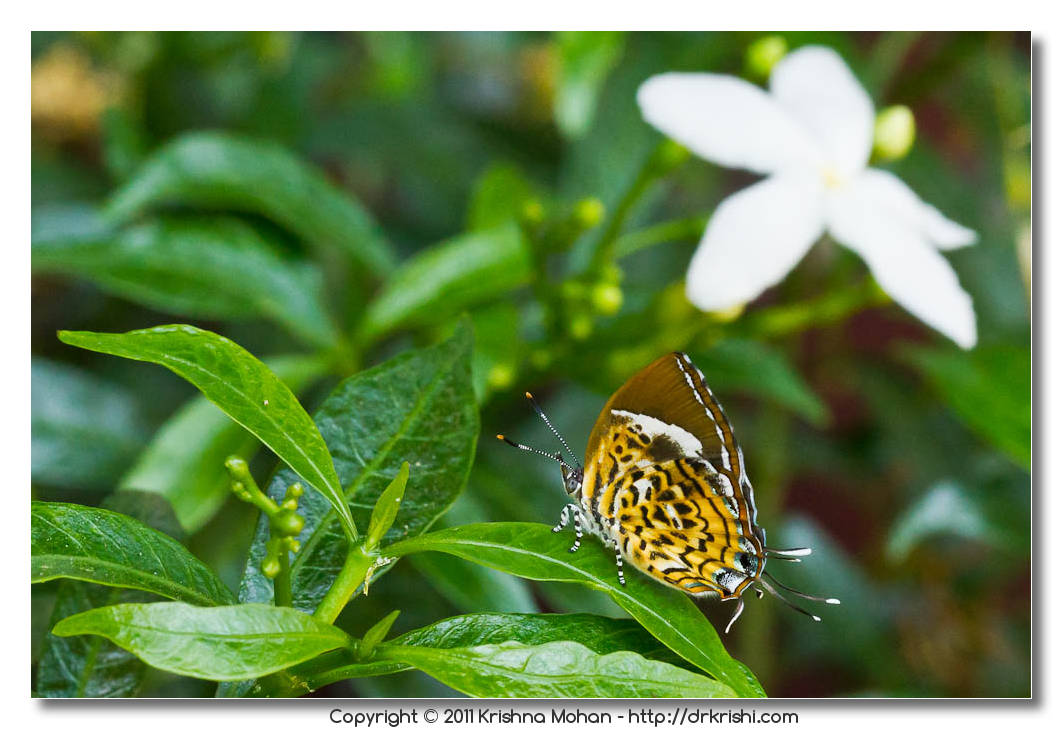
x=355, y=568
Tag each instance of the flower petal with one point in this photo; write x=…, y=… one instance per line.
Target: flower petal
x=814, y=85
x=903, y=262
x=899, y=200
x=753, y=239
x=726, y=120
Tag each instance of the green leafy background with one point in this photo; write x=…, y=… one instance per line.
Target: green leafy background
x=406, y=229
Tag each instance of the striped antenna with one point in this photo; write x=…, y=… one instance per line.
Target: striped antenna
x=542, y=414
x=529, y=449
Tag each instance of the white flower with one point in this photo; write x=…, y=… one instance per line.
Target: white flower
x=811, y=134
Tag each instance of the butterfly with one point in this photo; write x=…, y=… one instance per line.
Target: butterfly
x=665, y=486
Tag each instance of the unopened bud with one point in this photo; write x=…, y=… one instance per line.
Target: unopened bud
x=588, y=213
x=762, y=55
x=580, y=326
x=728, y=314
x=669, y=155
x=271, y=567
x=894, y=133
x=287, y=523
x=533, y=213
x=500, y=376
x=606, y=298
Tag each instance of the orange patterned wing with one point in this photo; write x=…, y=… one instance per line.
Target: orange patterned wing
x=666, y=475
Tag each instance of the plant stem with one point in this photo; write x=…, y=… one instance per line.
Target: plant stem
x=605, y=248
x=347, y=581
x=665, y=232
x=282, y=582
x=831, y=307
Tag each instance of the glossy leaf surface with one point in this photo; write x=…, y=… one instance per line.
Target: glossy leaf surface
x=244, y=388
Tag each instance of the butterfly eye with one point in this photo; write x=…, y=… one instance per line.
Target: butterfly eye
x=573, y=478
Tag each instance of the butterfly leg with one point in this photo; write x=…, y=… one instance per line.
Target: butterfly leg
x=578, y=524
x=619, y=562
x=568, y=508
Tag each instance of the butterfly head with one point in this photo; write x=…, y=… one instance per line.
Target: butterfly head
x=572, y=478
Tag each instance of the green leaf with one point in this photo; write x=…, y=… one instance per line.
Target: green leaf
x=586, y=58
x=60, y=224
x=466, y=585
x=374, y=635
x=101, y=546
x=498, y=197
x=123, y=142
x=448, y=277
x=220, y=171
x=990, y=390
x=386, y=509
x=88, y=665
x=228, y=643
x=600, y=635
x=533, y=551
x=470, y=586
x=563, y=669
x=499, y=348
x=417, y=407
x=185, y=460
x=755, y=369
x=944, y=508
x=240, y=385
x=219, y=268
x=85, y=429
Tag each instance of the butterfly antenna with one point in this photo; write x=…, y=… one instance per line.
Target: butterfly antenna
x=789, y=555
x=778, y=583
x=542, y=414
x=767, y=586
x=553, y=457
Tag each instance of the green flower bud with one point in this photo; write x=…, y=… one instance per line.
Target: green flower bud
x=533, y=213
x=762, y=55
x=500, y=376
x=669, y=155
x=287, y=522
x=606, y=298
x=237, y=468
x=271, y=567
x=580, y=326
x=727, y=315
x=894, y=133
x=588, y=213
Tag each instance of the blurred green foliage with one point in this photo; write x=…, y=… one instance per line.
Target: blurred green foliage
x=330, y=200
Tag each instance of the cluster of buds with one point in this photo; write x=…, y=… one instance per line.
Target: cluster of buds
x=285, y=523
x=587, y=298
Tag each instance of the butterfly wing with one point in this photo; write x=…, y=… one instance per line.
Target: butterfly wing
x=663, y=444
x=678, y=527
